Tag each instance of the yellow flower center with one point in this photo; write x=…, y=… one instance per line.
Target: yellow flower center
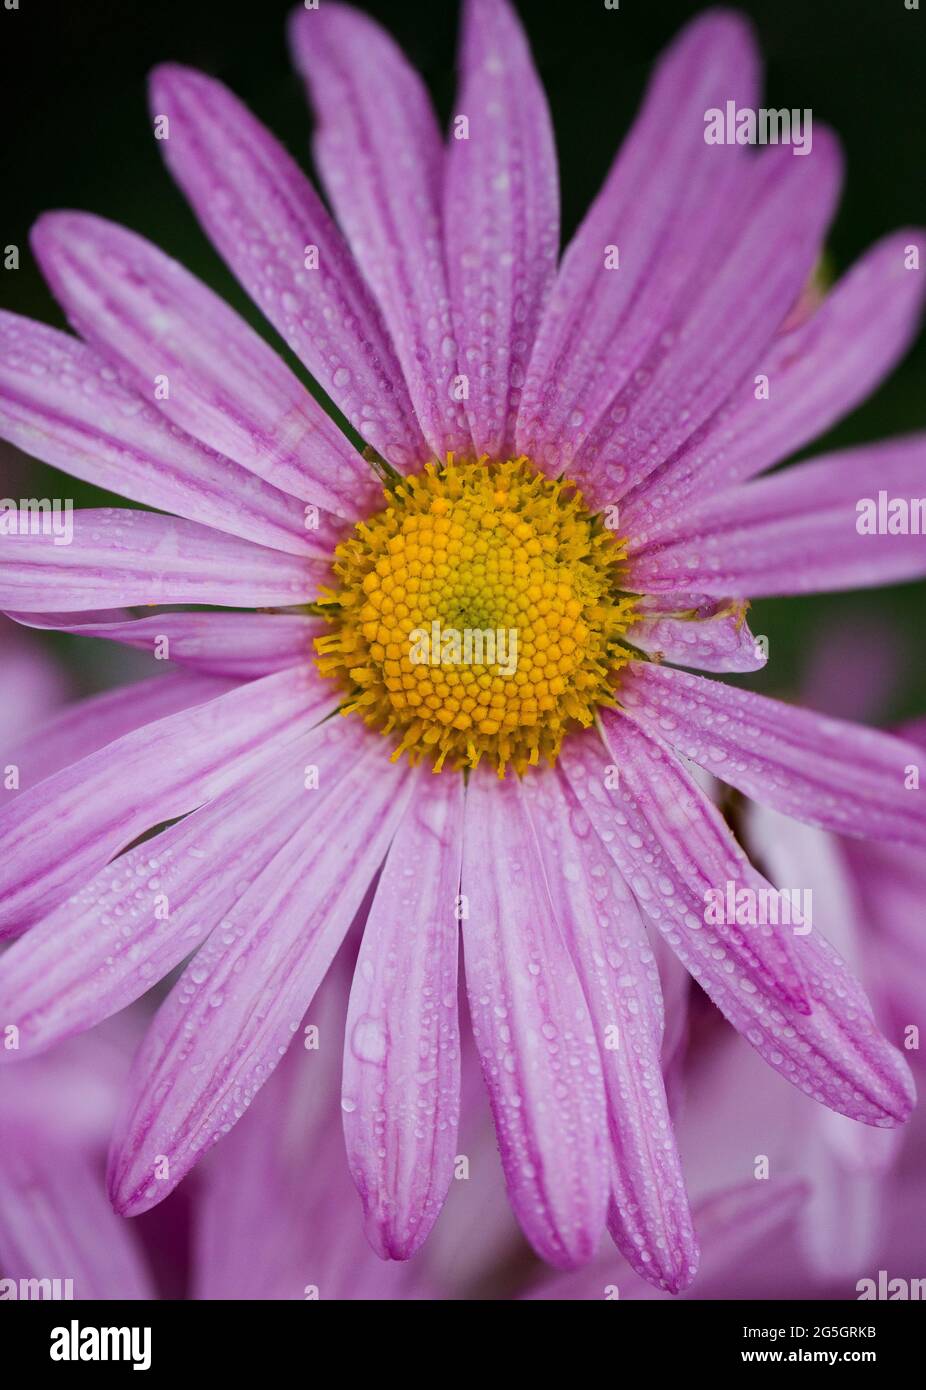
x=479, y=614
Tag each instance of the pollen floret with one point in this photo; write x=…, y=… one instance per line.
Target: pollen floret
x=479, y=614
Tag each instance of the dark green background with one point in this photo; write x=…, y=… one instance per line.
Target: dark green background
x=75, y=133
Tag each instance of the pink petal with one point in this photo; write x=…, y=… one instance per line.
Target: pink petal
x=55, y=1222
x=891, y=886
x=227, y=387
x=70, y=825
x=690, y=630
x=739, y=1223
x=845, y=1157
x=275, y=1211
x=262, y=213
x=672, y=845
x=795, y=532
x=816, y=374
x=501, y=214
x=663, y=206
x=233, y=1013
x=244, y=645
x=82, y=728
x=734, y=1226
x=401, y=1088
x=379, y=152
x=827, y=772
x=118, y=556
x=532, y=1027
x=609, y=944
x=144, y=913
x=749, y=275
x=34, y=687
x=61, y=402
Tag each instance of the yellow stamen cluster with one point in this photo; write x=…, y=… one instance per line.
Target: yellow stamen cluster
x=477, y=548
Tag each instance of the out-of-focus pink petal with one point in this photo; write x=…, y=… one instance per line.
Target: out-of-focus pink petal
x=401, y=1087
x=795, y=854
x=34, y=686
x=60, y=832
x=533, y=1029
x=265, y=218
x=232, y=1014
x=118, y=556
x=827, y=772
x=379, y=151
x=243, y=645
x=891, y=885
x=816, y=374
x=732, y=1226
x=182, y=347
x=689, y=630
x=672, y=845
x=63, y=403
x=833, y=651
x=610, y=948
x=501, y=217
x=797, y=531
x=55, y=1221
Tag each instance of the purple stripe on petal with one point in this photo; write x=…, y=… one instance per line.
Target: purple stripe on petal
x=66, y=828
x=182, y=348
x=828, y=772
x=798, y=531
x=666, y=209
x=243, y=645
x=501, y=217
x=690, y=630
x=379, y=152
x=265, y=218
x=62, y=402
x=234, y=1011
x=610, y=948
x=117, y=556
x=816, y=374
x=401, y=1088
x=672, y=845
x=533, y=1029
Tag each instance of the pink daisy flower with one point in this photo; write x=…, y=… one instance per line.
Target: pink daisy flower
x=563, y=450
